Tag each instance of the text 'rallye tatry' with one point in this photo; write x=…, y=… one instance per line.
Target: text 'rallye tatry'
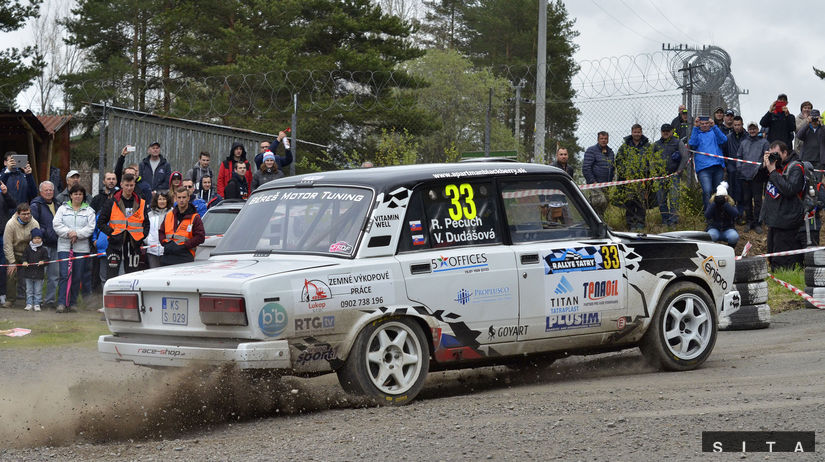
x=382, y=275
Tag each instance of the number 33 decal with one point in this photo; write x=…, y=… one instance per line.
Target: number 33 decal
x=457, y=194
x=610, y=257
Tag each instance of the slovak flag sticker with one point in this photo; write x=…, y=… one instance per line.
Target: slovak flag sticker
x=418, y=239
x=415, y=225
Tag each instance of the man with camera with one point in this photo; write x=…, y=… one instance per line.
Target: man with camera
x=19, y=181
x=708, y=138
x=779, y=121
x=783, y=212
x=813, y=140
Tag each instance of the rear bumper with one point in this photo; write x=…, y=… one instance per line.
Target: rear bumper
x=252, y=355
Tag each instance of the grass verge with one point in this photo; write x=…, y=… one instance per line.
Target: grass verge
x=781, y=299
x=51, y=329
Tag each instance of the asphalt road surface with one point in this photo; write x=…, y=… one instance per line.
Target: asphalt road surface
x=65, y=404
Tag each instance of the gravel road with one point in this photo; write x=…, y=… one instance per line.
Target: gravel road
x=66, y=404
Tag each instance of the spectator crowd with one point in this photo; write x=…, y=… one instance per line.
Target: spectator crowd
x=778, y=187
x=146, y=214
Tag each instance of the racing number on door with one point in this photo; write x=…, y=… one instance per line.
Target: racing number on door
x=610, y=257
x=457, y=193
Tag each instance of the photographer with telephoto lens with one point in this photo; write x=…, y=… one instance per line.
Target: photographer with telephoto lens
x=782, y=211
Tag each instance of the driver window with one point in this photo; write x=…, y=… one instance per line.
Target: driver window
x=540, y=210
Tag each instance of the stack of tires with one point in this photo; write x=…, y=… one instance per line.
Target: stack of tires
x=815, y=276
x=753, y=311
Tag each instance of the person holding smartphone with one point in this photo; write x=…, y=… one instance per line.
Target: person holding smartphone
x=19, y=181
x=779, y=121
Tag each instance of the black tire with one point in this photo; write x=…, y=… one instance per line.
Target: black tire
x=751, y=269
x=816, y=292
x=687, y=307
x=748, y=317
x=359, y=375
x=816, y=258
x=752, y=293
x=815, y=276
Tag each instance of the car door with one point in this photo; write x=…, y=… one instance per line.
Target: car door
x=570, y=281
x=455, y=264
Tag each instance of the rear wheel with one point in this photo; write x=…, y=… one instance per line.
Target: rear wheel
x=683, y=330
x=388, y=361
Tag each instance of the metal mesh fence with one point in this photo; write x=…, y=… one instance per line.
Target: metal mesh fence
x=340, y=111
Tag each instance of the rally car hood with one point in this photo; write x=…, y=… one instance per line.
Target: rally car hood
x=196, y=275
x=668, y=236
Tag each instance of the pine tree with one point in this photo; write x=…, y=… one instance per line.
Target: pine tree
x=503, y=34
x=15, y=74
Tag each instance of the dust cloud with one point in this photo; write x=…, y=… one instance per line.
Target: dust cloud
x=157, y=404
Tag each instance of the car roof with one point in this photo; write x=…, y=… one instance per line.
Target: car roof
x=228, y=204
x=383, y=178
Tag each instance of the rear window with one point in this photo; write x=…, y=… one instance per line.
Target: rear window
x=325, y=220
x=218, y=221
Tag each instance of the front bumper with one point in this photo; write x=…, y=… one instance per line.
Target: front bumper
x=730, y=304
x=153, y=352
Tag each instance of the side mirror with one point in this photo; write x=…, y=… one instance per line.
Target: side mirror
x=600, y=230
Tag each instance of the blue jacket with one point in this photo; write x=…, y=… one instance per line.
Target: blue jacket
x=281, y=161
x=598, y=167
x=44, y=216
x=159, y=180
x=21, y=186
x=709, y=142
x=101, y=239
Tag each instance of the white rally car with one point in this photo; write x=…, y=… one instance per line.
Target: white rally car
x=382, y=275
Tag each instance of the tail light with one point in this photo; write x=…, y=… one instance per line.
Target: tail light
x=222, y=311
x=121, y=307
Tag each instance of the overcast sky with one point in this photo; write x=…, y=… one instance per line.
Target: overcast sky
x=773, y=44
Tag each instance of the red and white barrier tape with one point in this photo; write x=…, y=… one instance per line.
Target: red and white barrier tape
x=786, y=252
x=618, y=183
x=808, y=298
x=733, y=158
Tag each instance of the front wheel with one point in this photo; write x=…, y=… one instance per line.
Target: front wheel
x=683, y=331
x=388, y=361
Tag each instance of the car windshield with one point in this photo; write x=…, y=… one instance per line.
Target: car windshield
x=218, y=221
x=306, y=220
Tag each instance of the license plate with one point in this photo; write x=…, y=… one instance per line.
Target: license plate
x=175, y=311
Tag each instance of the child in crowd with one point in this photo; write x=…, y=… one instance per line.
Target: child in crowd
x=34, y=258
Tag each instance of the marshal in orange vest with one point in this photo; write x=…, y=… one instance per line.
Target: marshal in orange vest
x=133, y=224
x=182, y=233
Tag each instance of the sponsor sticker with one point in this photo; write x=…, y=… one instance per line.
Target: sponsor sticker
x=469, y=263
x=313, y=323
x=484, y=295
x=340, y=247
x=494, y=332
x=239, y=275
x=343, y=290
x=711, y=268
x=272, y=319
x=315, y=353
x=572, y=321
x=601, y=292
x=563, y=299
x=589, y=258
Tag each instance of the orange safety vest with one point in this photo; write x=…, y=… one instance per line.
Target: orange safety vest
x=133, y=224
x=184, y=231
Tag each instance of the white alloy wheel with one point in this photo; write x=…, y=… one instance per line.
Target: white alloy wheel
x=394, y=357
x=687, y=326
